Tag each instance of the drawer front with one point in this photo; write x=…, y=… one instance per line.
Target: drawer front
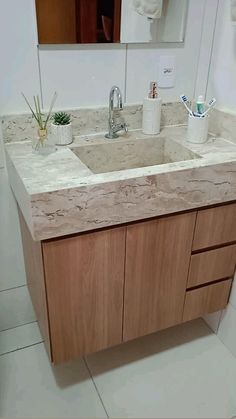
x=206, y=299
x=212, y=265
x=215, y=226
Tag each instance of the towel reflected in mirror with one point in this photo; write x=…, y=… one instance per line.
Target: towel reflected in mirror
x=152, y=9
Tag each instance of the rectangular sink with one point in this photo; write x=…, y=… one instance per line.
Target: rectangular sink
x=131, y=154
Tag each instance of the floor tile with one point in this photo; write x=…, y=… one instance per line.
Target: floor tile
x=15, y=308
x=19, y=337
x=11, y=253
x=213, y=320
x=233, y=294
x=227, y=329
x=31, y=388
x=181, y=372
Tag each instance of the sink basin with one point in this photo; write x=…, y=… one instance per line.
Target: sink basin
x=131, y=154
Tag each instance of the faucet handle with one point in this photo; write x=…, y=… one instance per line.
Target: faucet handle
x=124, y=127
x=120, y=127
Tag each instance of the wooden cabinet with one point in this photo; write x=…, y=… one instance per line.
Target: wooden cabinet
x=95, y=290
x=35, y=280
x=157, y=261
x=85, y=280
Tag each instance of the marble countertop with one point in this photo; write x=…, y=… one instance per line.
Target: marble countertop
x=59, y=195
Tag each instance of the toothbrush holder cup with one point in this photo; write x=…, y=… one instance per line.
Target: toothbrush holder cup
x=197, y=129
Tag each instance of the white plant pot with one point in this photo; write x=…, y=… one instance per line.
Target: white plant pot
x=62, y=134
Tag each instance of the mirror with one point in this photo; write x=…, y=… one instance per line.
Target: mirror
x=78, y=21
x=110, y=21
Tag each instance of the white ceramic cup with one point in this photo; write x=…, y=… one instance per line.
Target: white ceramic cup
x=197, y=129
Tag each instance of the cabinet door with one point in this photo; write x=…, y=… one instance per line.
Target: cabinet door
x=157, y=261
x=84, y=282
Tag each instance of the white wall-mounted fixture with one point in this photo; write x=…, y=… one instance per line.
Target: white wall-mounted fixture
x=167, y=71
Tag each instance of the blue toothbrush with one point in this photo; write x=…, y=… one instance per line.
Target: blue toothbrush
x=184, y=99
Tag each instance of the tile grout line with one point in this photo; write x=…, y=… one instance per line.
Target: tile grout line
x=14, y=288
x=40, y=77
x=125, y=73
x=19, y=325
x=100, y=397
x=20, y=349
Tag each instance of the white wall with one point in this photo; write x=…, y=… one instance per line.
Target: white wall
x=83, y=75
x=222, y=85
x=2, y=157
x=222, y=80
x=18, y=54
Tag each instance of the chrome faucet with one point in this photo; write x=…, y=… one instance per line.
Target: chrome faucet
x=113, y=126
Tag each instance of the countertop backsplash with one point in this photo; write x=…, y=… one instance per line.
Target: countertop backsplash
x=90, y=121
x=223, y=124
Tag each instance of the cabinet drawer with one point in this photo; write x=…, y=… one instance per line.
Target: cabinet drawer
x=215, y=226
x=212, y=265
x=206, y=300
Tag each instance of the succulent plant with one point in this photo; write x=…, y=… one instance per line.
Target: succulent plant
x=61, y=118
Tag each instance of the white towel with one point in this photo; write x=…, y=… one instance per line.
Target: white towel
x=149, y=8
x=233, y=11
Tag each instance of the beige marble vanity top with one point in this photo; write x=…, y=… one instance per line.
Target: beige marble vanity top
x=59, y=194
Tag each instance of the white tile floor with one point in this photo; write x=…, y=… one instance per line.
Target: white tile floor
x=15, y=308
x=19, y=337
x=227, y=329
x=181, y=372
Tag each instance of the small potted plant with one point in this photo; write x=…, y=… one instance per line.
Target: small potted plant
x=61, y=128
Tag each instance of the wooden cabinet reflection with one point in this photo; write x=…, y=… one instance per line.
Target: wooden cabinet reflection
x=78, y=21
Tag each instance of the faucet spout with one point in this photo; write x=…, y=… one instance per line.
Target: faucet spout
x=112, y=125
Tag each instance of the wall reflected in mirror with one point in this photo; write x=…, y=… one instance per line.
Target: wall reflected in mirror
x=110, y=21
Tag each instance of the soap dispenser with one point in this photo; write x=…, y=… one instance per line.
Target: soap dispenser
x=152, y=111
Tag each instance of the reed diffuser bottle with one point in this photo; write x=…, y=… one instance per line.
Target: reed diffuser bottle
x=152, y=111
x=41, y=143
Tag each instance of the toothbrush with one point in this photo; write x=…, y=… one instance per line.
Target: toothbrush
x=184, y=99
x=211, y=104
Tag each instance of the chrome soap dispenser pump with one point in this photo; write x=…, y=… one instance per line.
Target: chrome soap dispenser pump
x=152, y=111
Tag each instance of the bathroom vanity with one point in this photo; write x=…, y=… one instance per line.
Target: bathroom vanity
x=125, y=237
